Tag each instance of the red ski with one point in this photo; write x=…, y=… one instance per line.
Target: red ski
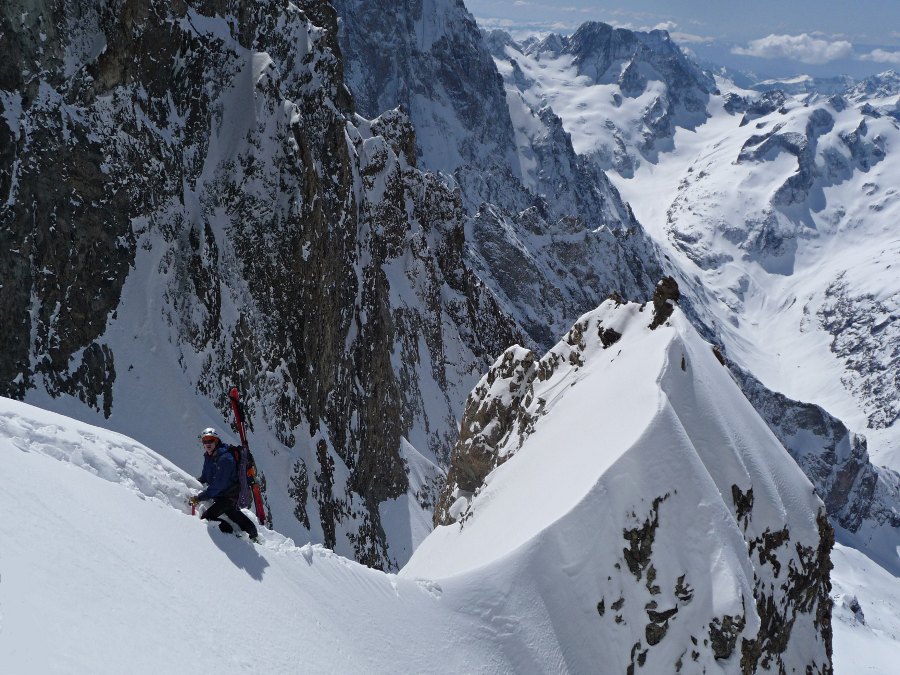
x=247, y=469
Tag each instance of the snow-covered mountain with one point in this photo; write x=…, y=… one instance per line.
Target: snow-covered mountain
x=627, y=90
x=621, y=431
x=883, y=88
x=703, y=537
x=546, y=231
x=776, y=209
x=784, y=216
x=197, y=196
x=804, y=84
x=218, y=214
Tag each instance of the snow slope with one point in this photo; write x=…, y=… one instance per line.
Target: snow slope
x=866, y=640
x=102, y=569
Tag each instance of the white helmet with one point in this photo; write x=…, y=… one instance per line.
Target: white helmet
x=209, y=433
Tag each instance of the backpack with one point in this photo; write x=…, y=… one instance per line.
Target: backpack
x=248, y=480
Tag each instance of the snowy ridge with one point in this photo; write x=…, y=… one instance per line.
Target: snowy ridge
x=703, y=530
x=132, y=551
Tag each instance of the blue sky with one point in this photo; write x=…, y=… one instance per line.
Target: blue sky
x=773, y=38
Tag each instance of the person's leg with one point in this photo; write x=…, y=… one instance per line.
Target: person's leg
x=242, y=521
x=214, y=512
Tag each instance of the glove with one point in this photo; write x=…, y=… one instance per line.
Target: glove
x=194, y=500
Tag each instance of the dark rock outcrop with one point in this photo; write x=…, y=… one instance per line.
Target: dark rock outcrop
x=664, y=298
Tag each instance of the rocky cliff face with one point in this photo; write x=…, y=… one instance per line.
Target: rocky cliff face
x=209, y=153
x=67, y=239
x=547, y=232
x=426, y=56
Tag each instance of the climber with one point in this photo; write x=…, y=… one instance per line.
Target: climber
x=220, y=476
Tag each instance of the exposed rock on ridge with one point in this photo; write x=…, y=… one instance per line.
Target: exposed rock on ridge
x=861, y=498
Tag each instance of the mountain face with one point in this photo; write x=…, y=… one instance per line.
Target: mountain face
x=861, y=498
x=634, y=89
x=545, y=229
x=425, y=56
x=631, y=430
x=190, y=202
x=881, y=88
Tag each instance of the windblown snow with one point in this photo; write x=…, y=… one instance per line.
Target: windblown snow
x=104, y=570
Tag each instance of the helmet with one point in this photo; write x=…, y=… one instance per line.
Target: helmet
x=209, y=433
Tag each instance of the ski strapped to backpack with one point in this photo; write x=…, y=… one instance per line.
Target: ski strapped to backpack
x=246, y=466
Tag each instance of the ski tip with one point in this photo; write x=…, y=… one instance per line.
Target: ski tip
x=233, y=392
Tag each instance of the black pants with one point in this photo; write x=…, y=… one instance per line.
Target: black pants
x=226, y=507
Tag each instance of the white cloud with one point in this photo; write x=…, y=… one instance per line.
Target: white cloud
x=671, y=28
x=491, y=23
x=881, y=56
x=690, y=38
x=803, y=48
x=519, y=30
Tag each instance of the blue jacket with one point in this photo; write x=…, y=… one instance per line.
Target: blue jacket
x=219, y=474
